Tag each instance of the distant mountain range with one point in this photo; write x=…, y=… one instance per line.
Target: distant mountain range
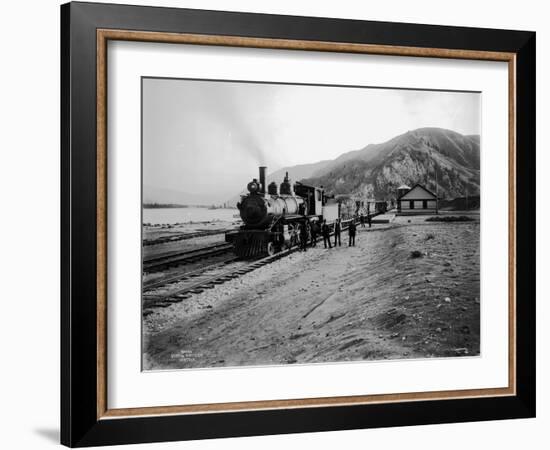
x=376, y=171
x=153, y=195
x=420, y=156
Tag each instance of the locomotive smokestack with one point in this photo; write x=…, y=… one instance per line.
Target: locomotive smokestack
x=262, y=179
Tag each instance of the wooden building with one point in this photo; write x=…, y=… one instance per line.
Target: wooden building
x=417, y=200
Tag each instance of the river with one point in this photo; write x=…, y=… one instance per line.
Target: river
x=157, y=216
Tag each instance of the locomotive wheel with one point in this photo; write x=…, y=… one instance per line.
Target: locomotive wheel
x=271, y=249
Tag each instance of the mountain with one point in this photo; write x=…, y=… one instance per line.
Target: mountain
x=298, y=172
x=419, y=156
x=171, y=196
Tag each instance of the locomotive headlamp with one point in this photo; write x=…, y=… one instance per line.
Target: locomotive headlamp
x=253, y=187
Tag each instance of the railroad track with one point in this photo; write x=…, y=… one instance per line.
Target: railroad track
x=164, y=281
x=172, y=259
x=202, y=281
x=181, y=237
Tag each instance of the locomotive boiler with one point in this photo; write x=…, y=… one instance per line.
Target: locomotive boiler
x=258, y=209
x=273, y=215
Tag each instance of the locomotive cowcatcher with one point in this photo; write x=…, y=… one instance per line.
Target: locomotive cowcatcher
x=273, y=220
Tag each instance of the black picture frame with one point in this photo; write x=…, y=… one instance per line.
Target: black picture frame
x=80, y=425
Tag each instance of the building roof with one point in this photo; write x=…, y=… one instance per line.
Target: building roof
x=421, y=187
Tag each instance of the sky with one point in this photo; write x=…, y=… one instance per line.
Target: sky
x=210, y=136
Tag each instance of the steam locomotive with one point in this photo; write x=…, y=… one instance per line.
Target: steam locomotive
x=273, y=220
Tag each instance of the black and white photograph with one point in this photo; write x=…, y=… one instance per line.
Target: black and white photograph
x=301, y=224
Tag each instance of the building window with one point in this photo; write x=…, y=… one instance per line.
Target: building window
x=411, y=204
x=425, y=204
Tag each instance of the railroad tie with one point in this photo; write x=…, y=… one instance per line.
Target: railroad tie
x=163, y=304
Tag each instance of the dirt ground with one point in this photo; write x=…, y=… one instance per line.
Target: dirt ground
x=409, y=289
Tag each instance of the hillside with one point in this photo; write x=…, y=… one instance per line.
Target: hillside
x=418, y=156
x=299, y=172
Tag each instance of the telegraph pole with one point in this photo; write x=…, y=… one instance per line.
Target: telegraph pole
x=436, y=186
x=436, y=192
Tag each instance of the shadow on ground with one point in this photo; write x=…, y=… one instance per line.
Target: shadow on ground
x=50, y=434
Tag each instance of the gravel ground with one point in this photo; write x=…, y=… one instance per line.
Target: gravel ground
x=407, y=290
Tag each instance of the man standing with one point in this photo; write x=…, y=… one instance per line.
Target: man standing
x=369, y=220
x=303, y=236
x=351, y=230
x=362, y=220
x=325, y=230
x=314, y=231
x=337, y=233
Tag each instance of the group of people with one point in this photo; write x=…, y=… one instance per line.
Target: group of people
x=352, y=230
x=324, y=230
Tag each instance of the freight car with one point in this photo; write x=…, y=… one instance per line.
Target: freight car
x=273, y=219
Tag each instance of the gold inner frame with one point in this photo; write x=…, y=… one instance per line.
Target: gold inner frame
x=104, y=35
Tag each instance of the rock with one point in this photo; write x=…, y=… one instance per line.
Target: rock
x=439, y=305
x=404, y=338
x=447, y=299
x=461, y=351
x=438, y=329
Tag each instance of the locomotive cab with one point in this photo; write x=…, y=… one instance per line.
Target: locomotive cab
x=313, y=197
